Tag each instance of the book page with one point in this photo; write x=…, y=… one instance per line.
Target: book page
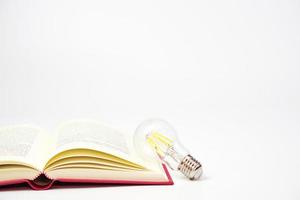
x=97, y=136
x=24, y=144
x=93, y=134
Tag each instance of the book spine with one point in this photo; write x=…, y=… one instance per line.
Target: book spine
x=42, y=182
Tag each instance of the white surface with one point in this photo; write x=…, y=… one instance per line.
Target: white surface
x=224, y=73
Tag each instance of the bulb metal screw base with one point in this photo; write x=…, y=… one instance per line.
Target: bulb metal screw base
x=190, y=167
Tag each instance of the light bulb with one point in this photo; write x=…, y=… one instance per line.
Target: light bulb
x=159, y=135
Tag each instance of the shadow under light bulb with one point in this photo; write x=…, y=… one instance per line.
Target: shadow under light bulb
x=160, y=136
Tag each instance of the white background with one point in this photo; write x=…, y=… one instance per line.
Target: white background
x=224, y=73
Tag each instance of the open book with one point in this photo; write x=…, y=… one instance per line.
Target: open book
x=79, y=151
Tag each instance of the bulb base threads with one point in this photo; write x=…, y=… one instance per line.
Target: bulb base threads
x=190, y=167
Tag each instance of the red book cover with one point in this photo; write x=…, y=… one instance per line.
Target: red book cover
x=44, y=185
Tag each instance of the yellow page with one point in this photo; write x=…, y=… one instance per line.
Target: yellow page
x=25, y=144
x=94, y=135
